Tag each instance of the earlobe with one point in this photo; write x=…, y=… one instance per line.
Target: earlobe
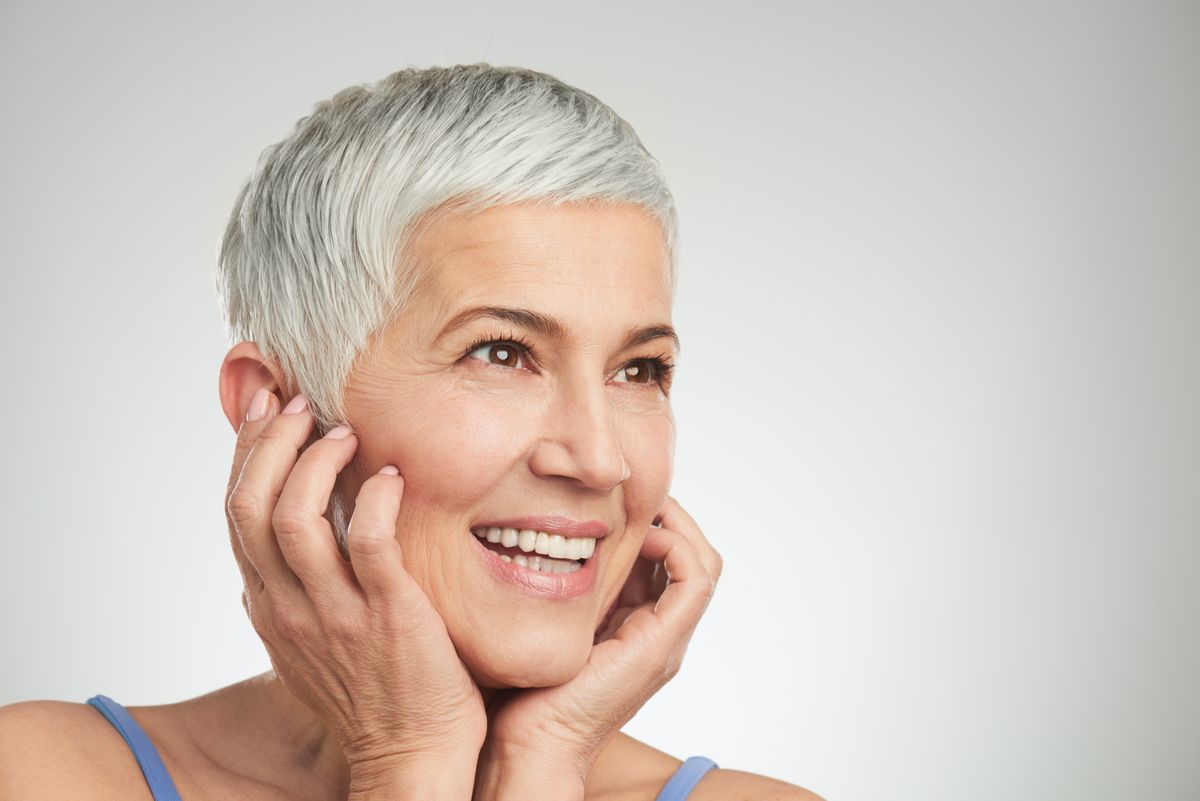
x=243, y=371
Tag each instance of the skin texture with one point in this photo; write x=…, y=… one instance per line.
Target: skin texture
x=476, y=433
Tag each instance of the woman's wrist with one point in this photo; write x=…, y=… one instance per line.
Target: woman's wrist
x=449, y=777
x=507, y=775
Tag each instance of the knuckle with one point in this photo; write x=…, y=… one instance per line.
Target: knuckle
x=368, y=547
x=243, y=506
x=289, y=520
x=366, y=538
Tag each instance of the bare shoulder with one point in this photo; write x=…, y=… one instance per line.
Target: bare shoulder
x=723, y=784
x=631, y=770
x=56, y=749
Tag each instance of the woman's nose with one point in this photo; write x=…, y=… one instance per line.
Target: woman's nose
x=579, y=440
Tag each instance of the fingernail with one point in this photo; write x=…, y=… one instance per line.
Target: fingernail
x=341, y=432
x=390, y=470
x=296, y=405
x=258, y=405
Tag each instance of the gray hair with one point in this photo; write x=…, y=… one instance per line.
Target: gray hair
x=316, y=254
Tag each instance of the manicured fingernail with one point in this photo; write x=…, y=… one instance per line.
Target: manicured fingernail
x=390, y=470
x=296, y=405
x=258, y=405
x=341, y=432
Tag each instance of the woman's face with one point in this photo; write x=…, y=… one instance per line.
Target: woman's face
x=569, y=418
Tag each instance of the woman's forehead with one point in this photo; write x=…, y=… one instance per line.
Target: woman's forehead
x=523, y=250
x=586, y=264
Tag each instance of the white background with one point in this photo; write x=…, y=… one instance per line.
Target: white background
x=937, y=402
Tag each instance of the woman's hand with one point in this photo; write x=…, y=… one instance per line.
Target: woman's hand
x=548, y=738
x=358, y=642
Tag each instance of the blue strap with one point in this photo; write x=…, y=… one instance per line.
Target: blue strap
x=687, y=776
x=161, y=786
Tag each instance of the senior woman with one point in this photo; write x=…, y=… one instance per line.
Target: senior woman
x=451, y=296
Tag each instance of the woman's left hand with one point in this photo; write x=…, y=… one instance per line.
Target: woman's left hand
x=549, y=737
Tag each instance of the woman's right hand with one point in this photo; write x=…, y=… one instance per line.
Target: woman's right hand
x=358, y=642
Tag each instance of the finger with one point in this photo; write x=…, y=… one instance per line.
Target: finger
x=304, y=535
x=371, y=540
x=263, y=407
x=251, y=503
x=690, y=586
x=673, y=516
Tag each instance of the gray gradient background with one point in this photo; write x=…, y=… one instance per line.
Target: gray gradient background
x=937, y=401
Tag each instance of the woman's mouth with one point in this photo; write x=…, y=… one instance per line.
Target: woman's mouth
x=537, y=550
x=545, y=564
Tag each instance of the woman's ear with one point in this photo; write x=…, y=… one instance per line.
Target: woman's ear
x=243, y=371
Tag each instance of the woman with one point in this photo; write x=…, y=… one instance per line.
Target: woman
x=451, y=293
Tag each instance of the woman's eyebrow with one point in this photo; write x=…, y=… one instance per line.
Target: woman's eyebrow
x=550, y=327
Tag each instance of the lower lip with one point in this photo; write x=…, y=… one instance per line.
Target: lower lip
x=554, y=586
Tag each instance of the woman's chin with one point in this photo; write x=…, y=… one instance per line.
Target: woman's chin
x=536, y=660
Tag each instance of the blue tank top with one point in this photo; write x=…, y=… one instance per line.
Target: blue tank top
x=677, y=788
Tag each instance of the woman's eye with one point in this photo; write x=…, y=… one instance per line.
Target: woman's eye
x=506, y=353
x=499, y=352
x=637, y=372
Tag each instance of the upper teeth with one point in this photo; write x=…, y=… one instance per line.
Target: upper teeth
x=553, y=545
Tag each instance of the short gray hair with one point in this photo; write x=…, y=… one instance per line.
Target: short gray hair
x=314, y=258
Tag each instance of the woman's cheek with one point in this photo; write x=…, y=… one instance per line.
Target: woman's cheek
x=649, y=446
x=466, y=442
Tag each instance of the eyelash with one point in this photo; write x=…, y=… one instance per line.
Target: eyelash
x=663, y=366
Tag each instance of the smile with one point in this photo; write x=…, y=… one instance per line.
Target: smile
x=539, y=562
x=552, y=553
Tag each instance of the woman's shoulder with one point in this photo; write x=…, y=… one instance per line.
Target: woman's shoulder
x=736, y=785
x=58, y=749
x=631, y=770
